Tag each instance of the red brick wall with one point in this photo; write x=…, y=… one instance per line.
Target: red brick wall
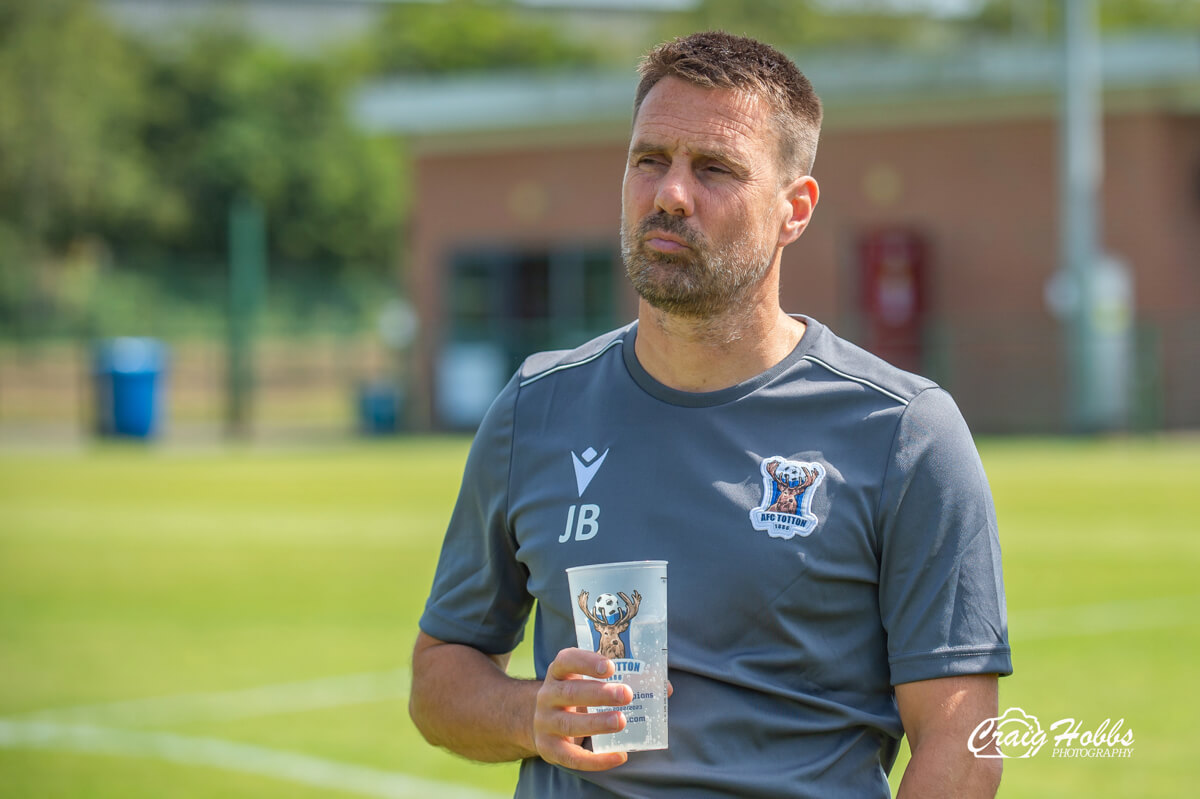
x=984, y=194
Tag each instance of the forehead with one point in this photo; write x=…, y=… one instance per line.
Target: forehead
x=681, y=115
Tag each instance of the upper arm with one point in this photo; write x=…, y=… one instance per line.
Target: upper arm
x=939, y=717
x=941, y=585
x=947, y=708
x=427, y=646
x=479, y=594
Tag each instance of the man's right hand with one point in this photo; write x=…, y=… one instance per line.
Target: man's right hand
x=561, y=720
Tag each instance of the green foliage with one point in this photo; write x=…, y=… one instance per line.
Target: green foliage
x=114, y=150
x=73, y=99
x=1039, y=18
x=233, y=115
x=73, y=163
x=807, y=23
x=828, y=24
x=470, y=35
x=1161, y=15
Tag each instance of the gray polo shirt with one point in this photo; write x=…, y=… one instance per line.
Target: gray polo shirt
x=830, y=534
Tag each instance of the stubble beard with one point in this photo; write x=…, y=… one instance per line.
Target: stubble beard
x=701, y=282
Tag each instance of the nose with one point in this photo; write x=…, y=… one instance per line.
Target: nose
x=674, y=194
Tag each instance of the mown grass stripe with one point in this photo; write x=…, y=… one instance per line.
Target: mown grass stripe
x=1104, y=618
x=261, y=700
x=230, y=756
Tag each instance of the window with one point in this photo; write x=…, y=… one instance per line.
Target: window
x=503, y=305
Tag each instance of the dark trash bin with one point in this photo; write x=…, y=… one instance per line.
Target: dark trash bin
x=379, y=407
x=128, y=377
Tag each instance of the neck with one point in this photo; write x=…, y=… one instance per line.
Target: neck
x=713, y=353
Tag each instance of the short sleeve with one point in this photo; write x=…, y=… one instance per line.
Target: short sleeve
x=941, y=587
x=479, y=596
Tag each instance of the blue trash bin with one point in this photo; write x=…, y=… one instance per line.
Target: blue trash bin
x=380, y=405
x=128, y=378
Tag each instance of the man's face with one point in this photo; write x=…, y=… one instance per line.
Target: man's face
x=702, y=205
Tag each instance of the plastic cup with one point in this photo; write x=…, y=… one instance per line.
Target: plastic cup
x=621, y=612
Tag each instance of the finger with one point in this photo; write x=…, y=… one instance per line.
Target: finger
x=584, y=693
x=572, y=755
x=670, y=689
x=570, y=725
x=556, y=736
x=579, y=662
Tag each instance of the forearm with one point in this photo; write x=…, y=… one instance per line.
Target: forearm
x=946, y=768
x=463, y=701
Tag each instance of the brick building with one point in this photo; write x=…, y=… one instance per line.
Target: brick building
x=945, y=165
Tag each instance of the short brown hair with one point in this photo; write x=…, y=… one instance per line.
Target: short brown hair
x=719, y=60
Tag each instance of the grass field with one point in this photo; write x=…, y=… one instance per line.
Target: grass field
x=237, y=623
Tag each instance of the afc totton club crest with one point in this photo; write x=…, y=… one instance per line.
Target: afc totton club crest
x=788, y=488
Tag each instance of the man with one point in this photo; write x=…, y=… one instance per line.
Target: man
x=834, y=578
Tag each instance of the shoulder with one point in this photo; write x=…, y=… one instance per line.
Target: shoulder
x=546, y=364
x=845, y=362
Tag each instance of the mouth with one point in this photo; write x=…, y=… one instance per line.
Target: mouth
x=665, y=242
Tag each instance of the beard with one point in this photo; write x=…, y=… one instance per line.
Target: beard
x=701, y=282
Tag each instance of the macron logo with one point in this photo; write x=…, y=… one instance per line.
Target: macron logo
x=586, y=466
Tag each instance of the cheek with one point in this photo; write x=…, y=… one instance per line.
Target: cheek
x=637, y=191
x=769, y=217
x=742, y=218
x=629, y=204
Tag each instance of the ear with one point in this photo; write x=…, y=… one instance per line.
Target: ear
x=801, y=197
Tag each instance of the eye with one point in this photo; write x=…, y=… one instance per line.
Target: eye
x=717, y=169
x=651, y=161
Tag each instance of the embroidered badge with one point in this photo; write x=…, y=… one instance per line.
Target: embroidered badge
x=788, y=487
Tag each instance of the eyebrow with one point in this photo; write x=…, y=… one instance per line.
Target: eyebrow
x=643, y=147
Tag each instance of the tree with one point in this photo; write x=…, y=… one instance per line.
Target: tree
x=830, y=24
x=470, y=35
x=72, y=163
x=810, y=23
x=72, y=95
x=113, y=149
x=231, y=115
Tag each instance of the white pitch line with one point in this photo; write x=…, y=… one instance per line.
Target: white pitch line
x=1103, y=618
x=261, y=700
x=230, y=756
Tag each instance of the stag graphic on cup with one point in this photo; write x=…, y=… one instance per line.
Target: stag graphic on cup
x=610, y=620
